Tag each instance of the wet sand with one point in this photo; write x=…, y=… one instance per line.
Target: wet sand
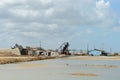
x=84, y=74
x=95, y=58
x=29, y=66
x=7, y=60
x=100, y=66
x=62, y=69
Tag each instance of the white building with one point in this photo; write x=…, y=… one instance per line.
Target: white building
x=50, y=53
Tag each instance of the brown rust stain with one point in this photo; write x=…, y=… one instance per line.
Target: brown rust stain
x=84, y=74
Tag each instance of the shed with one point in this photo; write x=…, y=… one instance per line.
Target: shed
x=39, y=52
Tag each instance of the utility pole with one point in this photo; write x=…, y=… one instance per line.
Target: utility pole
x=94, y=46
x=40, y=44
x=87, y=48
x=111, y=50
x=102, y=46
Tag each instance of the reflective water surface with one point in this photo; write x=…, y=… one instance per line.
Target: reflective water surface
x=62, y=69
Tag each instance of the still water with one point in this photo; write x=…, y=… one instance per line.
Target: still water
x=62, y=69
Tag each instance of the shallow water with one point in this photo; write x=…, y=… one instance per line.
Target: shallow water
x=61, y=69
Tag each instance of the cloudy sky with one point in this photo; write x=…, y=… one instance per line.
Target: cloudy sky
x=79, y=22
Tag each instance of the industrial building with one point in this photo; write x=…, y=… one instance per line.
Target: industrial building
x=97, y=52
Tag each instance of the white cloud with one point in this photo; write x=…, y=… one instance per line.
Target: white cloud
x=49, y=12
x=60, y=19
x=4, y=3
x=24, y=13
x=119, y=22
x=102, y=8
x=101, y=4
x=89, y=31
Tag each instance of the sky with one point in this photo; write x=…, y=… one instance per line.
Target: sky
x=95, y=23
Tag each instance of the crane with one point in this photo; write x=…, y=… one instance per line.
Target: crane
x=64, y=48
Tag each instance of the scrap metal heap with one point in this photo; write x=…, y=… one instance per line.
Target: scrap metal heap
x=22, y=50
x=64, y=48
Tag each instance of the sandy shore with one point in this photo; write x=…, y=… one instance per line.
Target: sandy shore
x=10, y=59
x=7, y=60
x=95, y=58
